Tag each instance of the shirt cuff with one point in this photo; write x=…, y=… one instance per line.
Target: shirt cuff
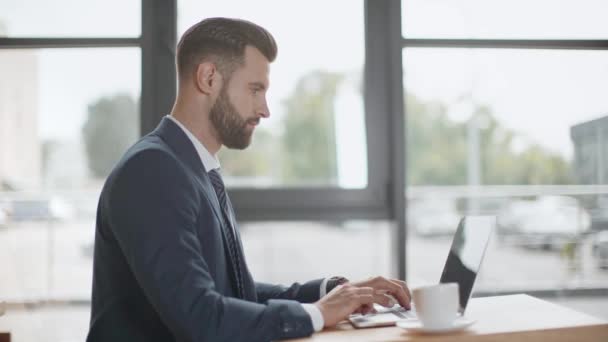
x=323, y=289
x=315, y=316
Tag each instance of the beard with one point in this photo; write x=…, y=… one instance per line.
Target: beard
x=230, y=126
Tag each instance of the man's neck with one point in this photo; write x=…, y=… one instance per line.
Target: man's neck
x=198, y=124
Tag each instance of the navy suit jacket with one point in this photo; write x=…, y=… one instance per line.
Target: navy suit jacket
x=162, y=271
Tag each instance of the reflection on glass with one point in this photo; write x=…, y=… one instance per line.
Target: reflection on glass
x=315, y=136
x=515, y=19
x=66, y=116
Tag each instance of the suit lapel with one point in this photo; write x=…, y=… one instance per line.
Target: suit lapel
x=183, y=148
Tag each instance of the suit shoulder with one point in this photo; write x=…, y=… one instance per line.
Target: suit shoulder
x=149, y=150
x=149, y=160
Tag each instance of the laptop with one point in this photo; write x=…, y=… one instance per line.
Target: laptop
x=461, y=266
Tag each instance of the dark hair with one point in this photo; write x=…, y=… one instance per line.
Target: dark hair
x=223, y=41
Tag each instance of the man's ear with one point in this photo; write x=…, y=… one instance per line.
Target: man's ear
x=208, y=79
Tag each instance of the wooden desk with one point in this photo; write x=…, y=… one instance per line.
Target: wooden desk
x=502, y=318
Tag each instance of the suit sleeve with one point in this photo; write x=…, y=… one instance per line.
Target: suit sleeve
x=153, y=210
x=308, y=292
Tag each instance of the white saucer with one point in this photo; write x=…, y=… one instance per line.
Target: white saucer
x=416, y=326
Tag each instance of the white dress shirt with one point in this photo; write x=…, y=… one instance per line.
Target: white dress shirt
x=210, y=162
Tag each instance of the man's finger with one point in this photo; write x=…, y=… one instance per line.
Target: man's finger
x=406, y=291
x=363, y=290
x=366, y=309
x=404, y=285
x=396, y=290
x=384, y=300
x=365, y=298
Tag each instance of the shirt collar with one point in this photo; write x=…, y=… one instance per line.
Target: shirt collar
x=209, y=161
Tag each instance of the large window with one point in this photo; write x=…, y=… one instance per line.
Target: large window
x=315, y=136
x=70, y=96
x=69, y=102
x=65, y=122
x=311, y=159
x=505, y=130
x=504, y=111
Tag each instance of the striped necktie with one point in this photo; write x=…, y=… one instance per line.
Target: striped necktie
x=222, y=196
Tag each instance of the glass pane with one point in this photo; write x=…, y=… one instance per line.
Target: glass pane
x=316, y=133
x=273, y=248
x=66, y=116
x=515, y=19
x=516, y=134
x=70, y=18
x=51, y=323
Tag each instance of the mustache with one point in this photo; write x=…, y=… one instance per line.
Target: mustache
x=254, y=120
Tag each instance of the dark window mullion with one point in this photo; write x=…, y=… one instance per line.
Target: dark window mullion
x=159, y=80
x=565, y=44
x=43, y=43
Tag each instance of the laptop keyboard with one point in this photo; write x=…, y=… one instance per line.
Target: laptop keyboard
x=402, y=312
x=398, y=311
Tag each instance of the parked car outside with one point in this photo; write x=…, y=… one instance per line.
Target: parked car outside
x=39, y=209
x=549, y=222
x=599, y=214
x=433, y=216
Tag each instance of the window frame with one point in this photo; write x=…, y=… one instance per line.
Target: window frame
x=384, y=196
x=521, y=44
x=383, y=109
x=383, y=103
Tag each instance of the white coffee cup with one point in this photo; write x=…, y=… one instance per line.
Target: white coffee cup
x=437, y=305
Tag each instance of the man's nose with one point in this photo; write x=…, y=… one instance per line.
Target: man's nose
x=264, y=111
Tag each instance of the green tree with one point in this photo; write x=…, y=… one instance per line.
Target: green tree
x=309, y=146
x=256, y=161
x=540, y=167
x=437, y=150
x=111, y=127
x=436, y=147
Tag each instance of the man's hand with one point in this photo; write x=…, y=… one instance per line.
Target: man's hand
x=342, y=301
x=383, y=288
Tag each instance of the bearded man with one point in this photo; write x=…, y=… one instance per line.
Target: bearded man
x=168, y=261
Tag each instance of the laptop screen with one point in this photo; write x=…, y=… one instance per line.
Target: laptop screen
x=467, y=251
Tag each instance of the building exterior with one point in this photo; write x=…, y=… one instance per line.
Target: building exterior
x=590, y=141
x=20, y=162
x=590, y=164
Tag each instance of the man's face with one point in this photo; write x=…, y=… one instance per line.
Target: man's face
x=242, y=101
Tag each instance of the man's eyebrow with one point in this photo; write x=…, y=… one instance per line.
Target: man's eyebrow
x=258, y=85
